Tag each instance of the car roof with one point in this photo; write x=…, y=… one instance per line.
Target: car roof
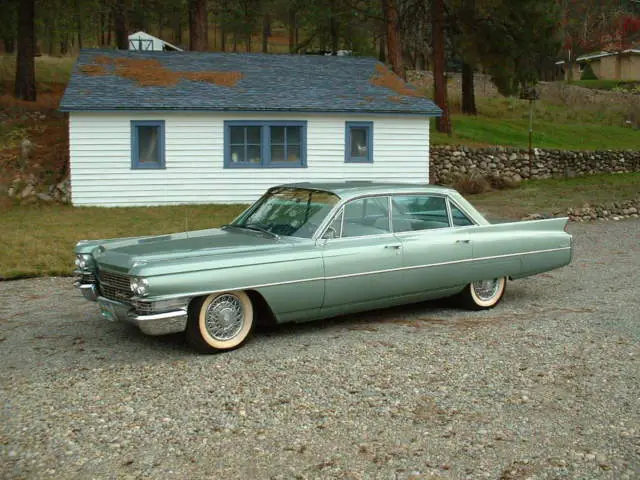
x=356, y=188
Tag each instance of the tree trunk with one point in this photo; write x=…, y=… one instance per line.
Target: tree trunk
x=266, y=32
x=443, y=123
x=9, y=44
x=25, y=88
x=292, y=31
x=109, y=27
x=176, y=20
x=392, y=31
x=120, y=23
x=198, y=25
x=334, y=27
x=247, y=19
x=64, y=43
x=468, y=90
x=79, y=22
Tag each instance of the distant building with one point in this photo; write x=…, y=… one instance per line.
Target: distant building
x=144, y=41
x=624, y=65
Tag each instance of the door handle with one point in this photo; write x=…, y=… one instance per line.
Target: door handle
x=463, y=241
x=392, y=247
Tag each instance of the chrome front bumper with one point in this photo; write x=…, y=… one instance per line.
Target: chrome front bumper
x=155, y=324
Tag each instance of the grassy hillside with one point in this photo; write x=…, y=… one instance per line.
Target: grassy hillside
x=566, y=117
x=487, y=131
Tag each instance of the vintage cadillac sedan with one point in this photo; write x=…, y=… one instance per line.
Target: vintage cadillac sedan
x=309, y=251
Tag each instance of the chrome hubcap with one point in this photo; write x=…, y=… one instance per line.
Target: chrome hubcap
x=224, y=317
x=485, y=290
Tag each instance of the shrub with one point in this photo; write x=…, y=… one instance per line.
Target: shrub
x=588, y=73
x=471, y=184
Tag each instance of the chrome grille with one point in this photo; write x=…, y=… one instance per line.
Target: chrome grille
x=115, y=286
x=85, y=277
x=143, y=308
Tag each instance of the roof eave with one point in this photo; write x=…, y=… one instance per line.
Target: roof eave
x=429, y=113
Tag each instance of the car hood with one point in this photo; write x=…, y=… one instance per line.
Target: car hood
x=132, y=255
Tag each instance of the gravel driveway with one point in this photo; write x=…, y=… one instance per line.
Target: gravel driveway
x=546, y=385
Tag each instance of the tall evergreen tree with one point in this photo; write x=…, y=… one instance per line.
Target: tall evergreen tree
x=120, y=24
x=198, y=25
x=443, y=123
x=25, y=88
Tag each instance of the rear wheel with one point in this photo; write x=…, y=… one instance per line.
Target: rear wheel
x=483, y=294
x=220, y=321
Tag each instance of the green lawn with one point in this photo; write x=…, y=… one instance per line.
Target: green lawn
x=38, y=240
x=487, y=131
x=48, y=69
x=605, y=84
x=505, y=121
x=554, y=195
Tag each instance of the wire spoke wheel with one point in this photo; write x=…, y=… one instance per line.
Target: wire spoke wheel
x=483, y=294
x=220, y=321
x=224, y=317
x=485, y=290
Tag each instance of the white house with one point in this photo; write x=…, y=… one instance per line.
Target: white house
x=158, y=128
x=144, y=42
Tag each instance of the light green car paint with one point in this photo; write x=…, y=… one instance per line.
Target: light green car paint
x=313, y=275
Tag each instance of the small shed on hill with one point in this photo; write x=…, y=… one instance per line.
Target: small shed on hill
x=144, y=42
x=158, y=128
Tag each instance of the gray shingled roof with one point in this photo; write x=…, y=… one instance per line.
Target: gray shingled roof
x=270, y=83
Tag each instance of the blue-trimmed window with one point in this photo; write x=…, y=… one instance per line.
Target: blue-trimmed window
x=358, y=142
x=254, y=144
x=147, y=144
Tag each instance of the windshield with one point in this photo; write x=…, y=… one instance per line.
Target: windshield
x=290, y=212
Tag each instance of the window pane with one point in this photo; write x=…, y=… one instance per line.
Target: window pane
x=237, y=154
x=277, y=153
x=358, y=142
x=253, y=154
x=277, y=135
x=237, y=135
x=419, y=212
x=366, y=216
x=459, y=218
x=293, y=135
x=148, y=148
x=335, y=229
x=293, y=154
x=253, y=135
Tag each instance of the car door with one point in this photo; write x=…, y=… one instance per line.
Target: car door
x=361, y=255
x=435, y=250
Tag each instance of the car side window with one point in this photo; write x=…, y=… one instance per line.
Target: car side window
x=419, y=212
x=334, y=230
x=458, y=216
x=366, y=216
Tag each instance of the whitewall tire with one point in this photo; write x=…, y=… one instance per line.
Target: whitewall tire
x=483, y=294
x=220, y=321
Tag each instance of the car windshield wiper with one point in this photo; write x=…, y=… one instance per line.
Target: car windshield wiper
x=252, y=226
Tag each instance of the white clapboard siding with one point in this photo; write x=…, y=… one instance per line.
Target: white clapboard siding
x=101, y=174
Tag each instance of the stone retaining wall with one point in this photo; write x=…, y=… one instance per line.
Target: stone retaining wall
x=451, y=162
x=606, y=211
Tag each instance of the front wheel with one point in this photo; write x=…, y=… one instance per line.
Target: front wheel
x=483, y=294
x=220, y=321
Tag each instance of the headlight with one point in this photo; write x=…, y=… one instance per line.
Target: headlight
x=84, y=261
x=139, y=286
